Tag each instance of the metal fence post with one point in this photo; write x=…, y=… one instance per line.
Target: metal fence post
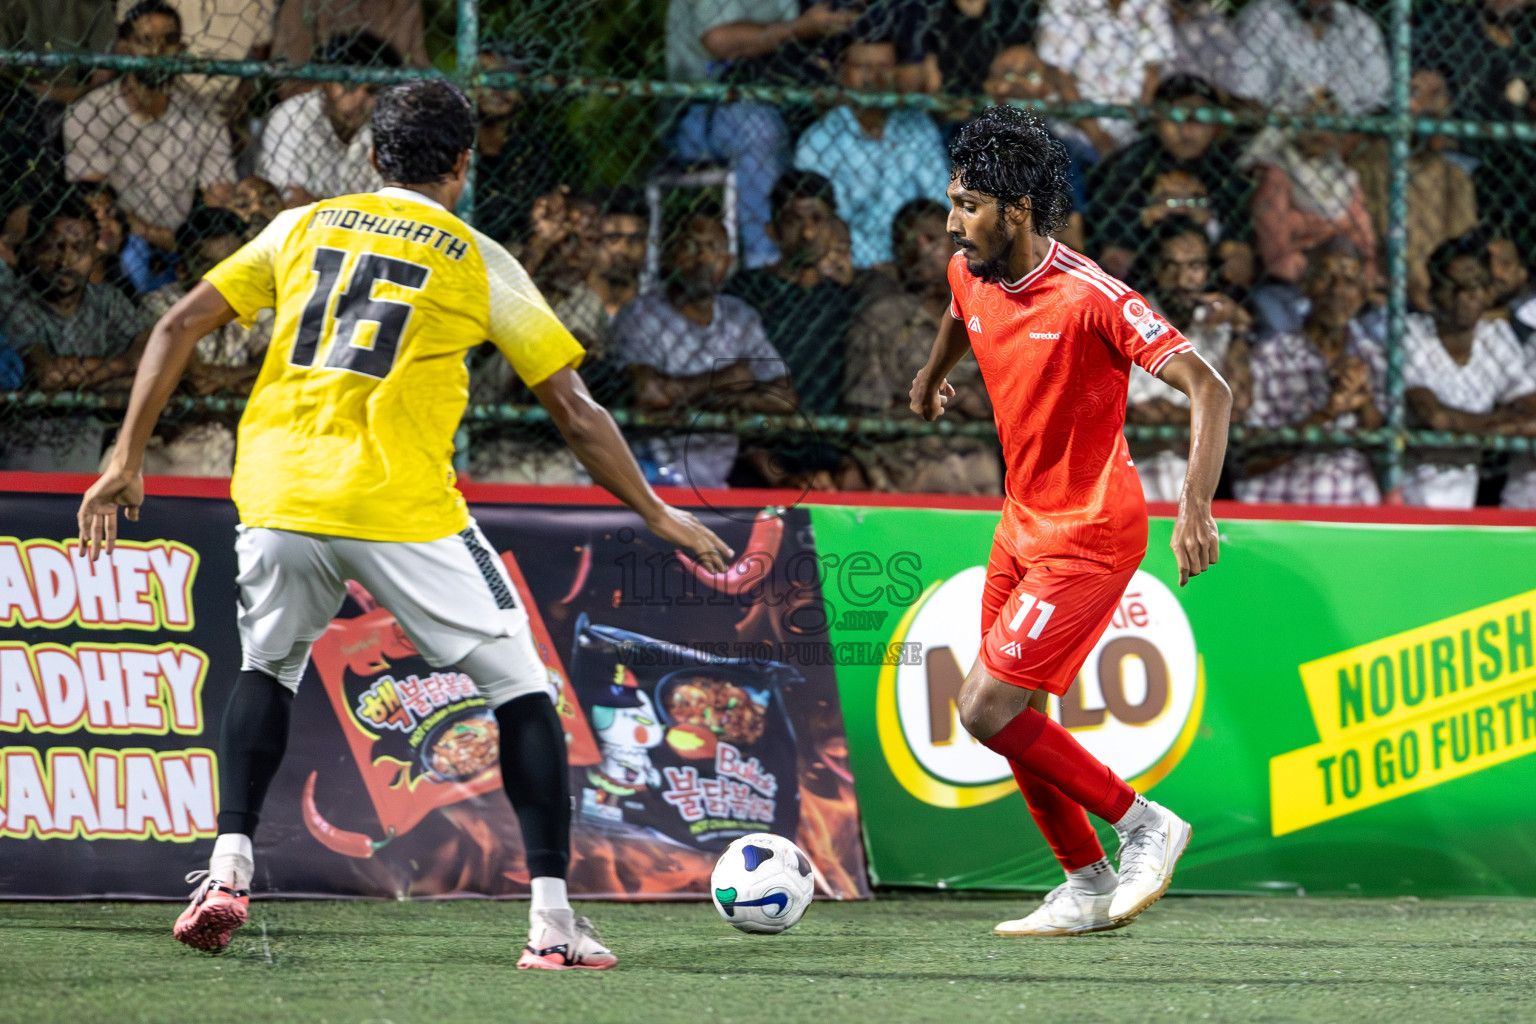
x=1400, y=135
x=467, y=37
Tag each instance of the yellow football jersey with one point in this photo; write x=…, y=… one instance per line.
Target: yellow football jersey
x=349, y=428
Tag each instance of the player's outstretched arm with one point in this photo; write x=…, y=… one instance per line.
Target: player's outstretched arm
x=171, y=343
x=930, y=391
x=1195, y=540
x=595, y=438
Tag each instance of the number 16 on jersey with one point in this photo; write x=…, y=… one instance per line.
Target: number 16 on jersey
x=355, y=306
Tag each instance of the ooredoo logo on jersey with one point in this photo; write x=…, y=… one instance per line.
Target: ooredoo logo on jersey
x=1136, y=704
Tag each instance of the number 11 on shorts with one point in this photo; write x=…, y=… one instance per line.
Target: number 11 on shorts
x=1026, y=602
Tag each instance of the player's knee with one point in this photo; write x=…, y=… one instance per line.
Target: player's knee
x=286, y=670
x=976, y=710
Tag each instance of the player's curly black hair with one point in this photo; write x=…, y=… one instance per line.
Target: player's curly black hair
x=1006, y=152
x=419, y=129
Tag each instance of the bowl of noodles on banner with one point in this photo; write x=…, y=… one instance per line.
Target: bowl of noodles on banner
x=696, y=747
x=461, y=747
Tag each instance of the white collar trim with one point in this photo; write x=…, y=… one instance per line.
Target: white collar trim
x=1034, y=275
x=410, y=195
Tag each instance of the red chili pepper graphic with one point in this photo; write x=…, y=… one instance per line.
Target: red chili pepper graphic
x=583, y=569
x=755, y=563
x=339, y=840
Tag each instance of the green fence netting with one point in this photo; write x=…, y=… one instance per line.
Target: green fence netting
x=1332, y=199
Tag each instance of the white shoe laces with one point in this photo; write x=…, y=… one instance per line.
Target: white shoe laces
x=1059, y=894
x=1136, y=851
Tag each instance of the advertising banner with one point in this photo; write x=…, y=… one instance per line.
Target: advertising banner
x=1336, y=707
x=692, y=716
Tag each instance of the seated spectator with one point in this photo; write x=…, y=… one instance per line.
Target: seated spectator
x=612, y=282
x=120, y=254
x=316, y=145
x=148, y=137
x=945, y=47
x=735, y=41
x=1442, y=204
x=1292, y=48
x=1306, y=196
x=1018, y=73
x=517, y=154
x=226, y=360
x=1218, y=328
x=1513, y=296
x=1183, y=167
x=222, y=30
x=588, y=252
x=71, y=333
x=256, y=202
x=125, y=260
x=393, y=24
x=1461, y=372
x=876, y=158
x=804, y=312
x=229, y=358
x=1205, y=45
x=1330, y=374
x=563, y=240
x=889, y=342
x=836, y=265
x=1114, y=50
x=688, y=345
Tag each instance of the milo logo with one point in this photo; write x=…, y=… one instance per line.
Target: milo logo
x=1135, y=705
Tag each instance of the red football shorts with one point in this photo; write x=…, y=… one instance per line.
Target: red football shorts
x=1040, y=619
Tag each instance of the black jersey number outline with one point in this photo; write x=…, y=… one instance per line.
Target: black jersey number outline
x=356, y=306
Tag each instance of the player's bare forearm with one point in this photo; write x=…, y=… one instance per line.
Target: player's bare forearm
x=930, y=391
x=171, y=343
x=595, y=439
x=1195, y=542
x=165, y=357
x=949, y=347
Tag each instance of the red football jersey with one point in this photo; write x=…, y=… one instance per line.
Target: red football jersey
x=1055, y=350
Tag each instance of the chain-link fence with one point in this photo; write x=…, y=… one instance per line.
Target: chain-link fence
x=738, y=206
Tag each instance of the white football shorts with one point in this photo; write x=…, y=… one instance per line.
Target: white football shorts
x=451, y=596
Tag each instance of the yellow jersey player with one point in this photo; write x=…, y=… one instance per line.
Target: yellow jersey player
x=344, y=472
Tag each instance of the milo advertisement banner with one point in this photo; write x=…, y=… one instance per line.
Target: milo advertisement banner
x=1336, y=707
x=697, y=707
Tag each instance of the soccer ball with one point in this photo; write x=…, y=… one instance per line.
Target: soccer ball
x=762, y=883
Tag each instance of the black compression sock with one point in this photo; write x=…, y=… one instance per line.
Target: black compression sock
x=251, y=746
x=533, y=770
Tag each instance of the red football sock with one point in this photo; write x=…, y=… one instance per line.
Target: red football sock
x=1062, y=821
x=1044, y=749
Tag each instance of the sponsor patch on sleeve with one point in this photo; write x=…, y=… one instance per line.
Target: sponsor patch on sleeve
x=1146, y=323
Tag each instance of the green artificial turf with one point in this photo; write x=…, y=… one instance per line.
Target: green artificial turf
x=895, y=959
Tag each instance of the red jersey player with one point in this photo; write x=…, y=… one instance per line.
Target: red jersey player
x=1055, y=337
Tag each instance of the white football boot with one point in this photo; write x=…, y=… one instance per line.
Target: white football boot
x=1066, y=911
x=560, y=941
x=1148, y=853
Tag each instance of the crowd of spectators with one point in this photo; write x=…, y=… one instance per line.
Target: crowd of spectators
x=816, y=285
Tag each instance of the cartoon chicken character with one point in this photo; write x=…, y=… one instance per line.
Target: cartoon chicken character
x=626, y=726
